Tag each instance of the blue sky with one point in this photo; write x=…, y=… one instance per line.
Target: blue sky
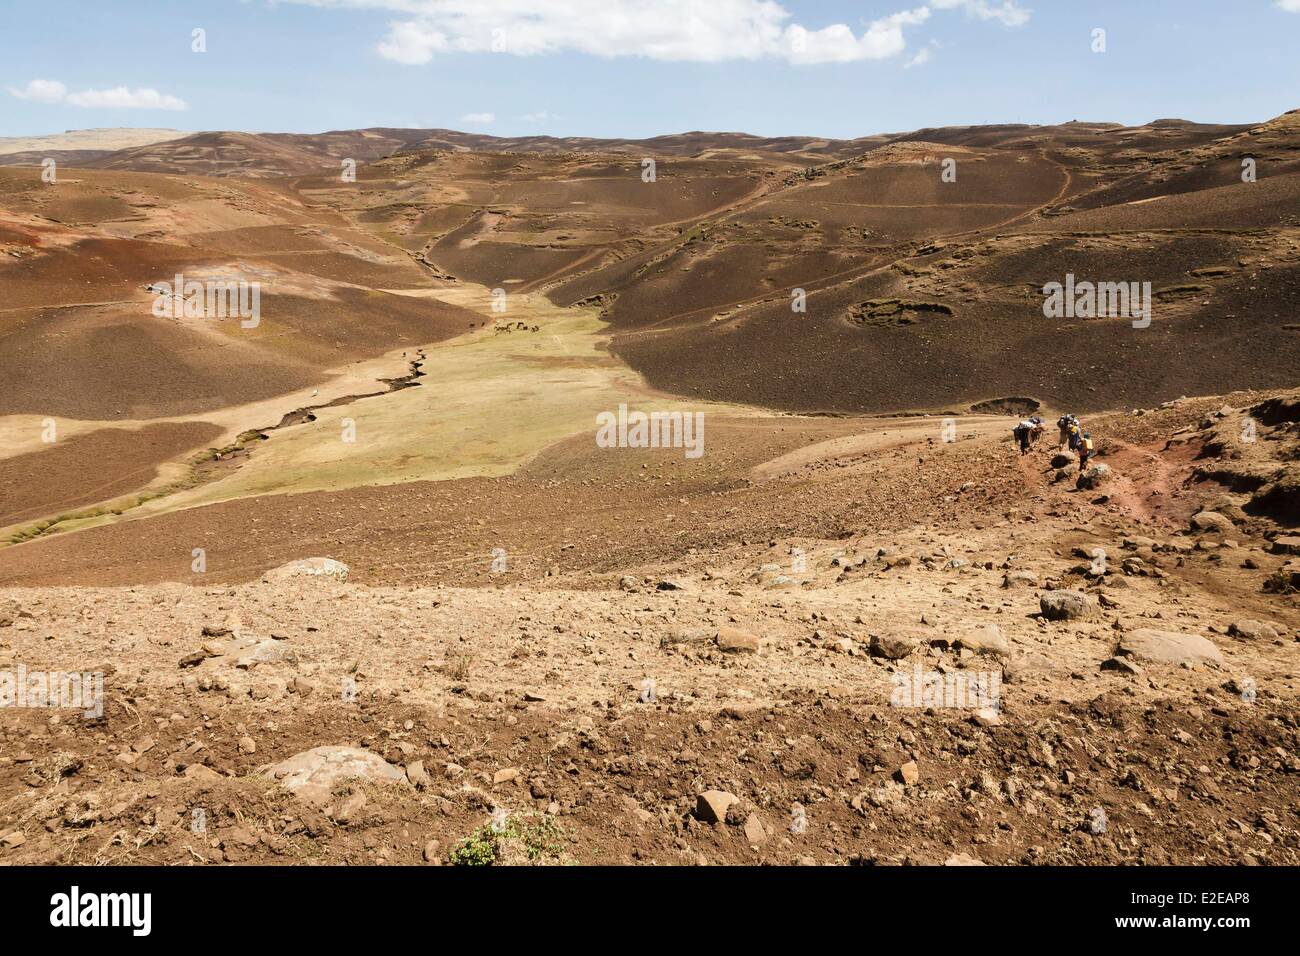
x=639, y=68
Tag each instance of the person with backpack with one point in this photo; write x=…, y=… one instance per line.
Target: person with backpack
x=1085, y=451
x=1063, y=423
x=1023, y=434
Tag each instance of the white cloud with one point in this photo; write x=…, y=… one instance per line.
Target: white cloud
x=541, y=116
x=479, y=119
x=837, y=44
x=922, y=57
x=120, y=98
x=1008, y=12
x=702, y=31
x=52, y=91
x=1290, y=6
x=41, y=91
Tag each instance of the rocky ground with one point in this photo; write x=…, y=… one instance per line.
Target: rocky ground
x=1106, y=675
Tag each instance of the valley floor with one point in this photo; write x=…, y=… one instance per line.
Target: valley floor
x=705, y=668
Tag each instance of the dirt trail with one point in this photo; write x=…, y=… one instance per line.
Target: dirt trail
x=1146, y=481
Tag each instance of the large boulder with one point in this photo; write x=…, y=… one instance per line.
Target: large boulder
x=711, y=806
x=1064, y=459
x=892, y=647
x=1020, y=579
x=314, y=774
x=733, y=640
x=1250, y=630
x=1067, y=605
x=309, y=568
x=270, y=651
x=988, y=640
x=1211, y=522
x=1168, y=647
x=1288, y=544
x=1094, y=477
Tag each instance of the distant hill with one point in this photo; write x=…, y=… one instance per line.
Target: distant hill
x=265, y=155
x=86, y=140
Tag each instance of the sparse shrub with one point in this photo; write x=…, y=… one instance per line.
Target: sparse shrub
x=477, y=849
x=459, y=670
x=1280, y=581
x=521, y=840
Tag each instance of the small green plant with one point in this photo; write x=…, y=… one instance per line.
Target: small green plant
x=1280, y=582
x=477, y=849
x=519, y=840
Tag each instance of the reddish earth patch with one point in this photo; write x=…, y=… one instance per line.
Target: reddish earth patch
x=97, y=466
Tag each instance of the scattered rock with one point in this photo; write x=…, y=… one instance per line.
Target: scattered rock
x=1096, y=476
x=231, y=626
x=1168, y=647
x=309, y=568
x=735, y=641
x=10, y=611
x=266, y=652
x=908, y=774
x=1253, y=630
x=988, y=640
x=892, y=647
x=417, y=775
x=711, y=806
x=313, y=774
x=1212, y=521
x=1288, y=544
x=1067, y=605
x=1121, y=664
x=350, y=807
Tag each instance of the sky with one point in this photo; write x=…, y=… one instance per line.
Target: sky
x=638, y=68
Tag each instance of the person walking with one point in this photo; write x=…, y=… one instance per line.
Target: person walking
x=1063, y=424
x=1023, y=433
x=1085, y=451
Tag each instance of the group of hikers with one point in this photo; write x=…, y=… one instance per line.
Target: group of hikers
x=1073, y=437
